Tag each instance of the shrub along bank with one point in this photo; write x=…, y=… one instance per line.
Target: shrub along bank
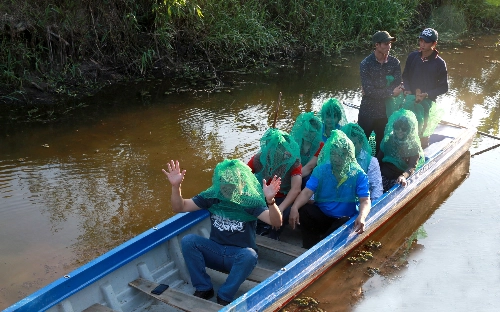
x=68, y=47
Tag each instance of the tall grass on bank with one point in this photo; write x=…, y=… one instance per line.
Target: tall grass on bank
x=49, y=43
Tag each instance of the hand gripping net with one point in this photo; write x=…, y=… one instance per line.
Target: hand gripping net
x=279, y=155
x=362, y=149
x=401, y=140
x=234, y=184
x=336, y=165
x=332, y=116
x=306, y=132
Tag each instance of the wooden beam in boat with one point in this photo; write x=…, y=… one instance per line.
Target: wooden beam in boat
x=279, y=246
x=176, y=298
x=259, y=274
x=98, y=308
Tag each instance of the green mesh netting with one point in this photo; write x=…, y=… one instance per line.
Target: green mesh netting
x=237, y=188
x=401, y=140
x=363, y=150
x=432, y=116
x=336, y=159
x=332, y=116
x=279, y=155
x=394, y=103
x=427, y=112
x=306, y=132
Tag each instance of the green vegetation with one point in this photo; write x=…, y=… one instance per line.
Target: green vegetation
x=69, y=47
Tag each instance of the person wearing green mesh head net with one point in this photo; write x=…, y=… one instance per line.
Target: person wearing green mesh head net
x=365, y=160
x=235, y=201
x=400, y=151
x=306, y=131
x=279, y=156
x=337, y=182
x=332, y=117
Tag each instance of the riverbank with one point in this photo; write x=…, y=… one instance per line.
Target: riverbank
x=54, y=57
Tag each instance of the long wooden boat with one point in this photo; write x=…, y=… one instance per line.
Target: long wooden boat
x=122, y=279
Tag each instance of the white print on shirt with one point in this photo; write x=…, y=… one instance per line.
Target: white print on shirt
x=224, y=224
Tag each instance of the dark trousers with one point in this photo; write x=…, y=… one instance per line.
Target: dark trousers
x=265, y=229
x=316, y=225
x=373, y=124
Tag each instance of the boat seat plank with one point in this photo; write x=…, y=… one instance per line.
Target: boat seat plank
x=279, y=246
x=259, y=274
x=176, y=298
x=98, y=308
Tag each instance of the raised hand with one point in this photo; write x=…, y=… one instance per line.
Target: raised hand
x=174, y=173
x=271, y=189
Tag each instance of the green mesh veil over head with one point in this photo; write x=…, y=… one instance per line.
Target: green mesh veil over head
x=427, y=112
x=332, y=116
x=306, y=132
x=401, y=140
x=234, y=184
x=279, y=155
x=336, y=165
x=363, y=150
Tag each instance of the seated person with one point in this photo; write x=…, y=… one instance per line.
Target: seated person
x=336, y=182
x=332, y=117
x=235, y=201
x=400, y=151
x=279, y=156
x=363, y=153
x=306, y=131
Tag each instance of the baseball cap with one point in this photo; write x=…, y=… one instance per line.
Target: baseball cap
x=429, y=35
x=382, y=36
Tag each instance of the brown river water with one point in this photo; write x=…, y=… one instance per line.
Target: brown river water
x=71, y=191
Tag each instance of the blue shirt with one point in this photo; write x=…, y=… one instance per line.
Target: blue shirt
x=230, y=232
x=355, y=185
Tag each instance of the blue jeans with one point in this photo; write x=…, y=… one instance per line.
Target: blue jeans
x=200, y=252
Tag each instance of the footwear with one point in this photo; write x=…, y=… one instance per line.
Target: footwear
x=204, y=294
x=222, y=302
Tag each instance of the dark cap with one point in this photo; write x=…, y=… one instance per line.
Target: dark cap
x=382, y=36
x=429, y=35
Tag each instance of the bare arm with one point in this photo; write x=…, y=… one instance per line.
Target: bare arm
x=364, y=209
x=308, y=168
x=300, y=201
x=175, y=177
x=293, y=193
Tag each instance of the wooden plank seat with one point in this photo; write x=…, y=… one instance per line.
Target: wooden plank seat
x=259, y=274
x=98, y=308
x=279, y=246
x=176, y=298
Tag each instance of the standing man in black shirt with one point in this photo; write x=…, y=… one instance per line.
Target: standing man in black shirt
x=380, y=79
x=425, y=73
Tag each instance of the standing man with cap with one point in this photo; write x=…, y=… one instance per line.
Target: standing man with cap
x=425, y=74
x=380, y=79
